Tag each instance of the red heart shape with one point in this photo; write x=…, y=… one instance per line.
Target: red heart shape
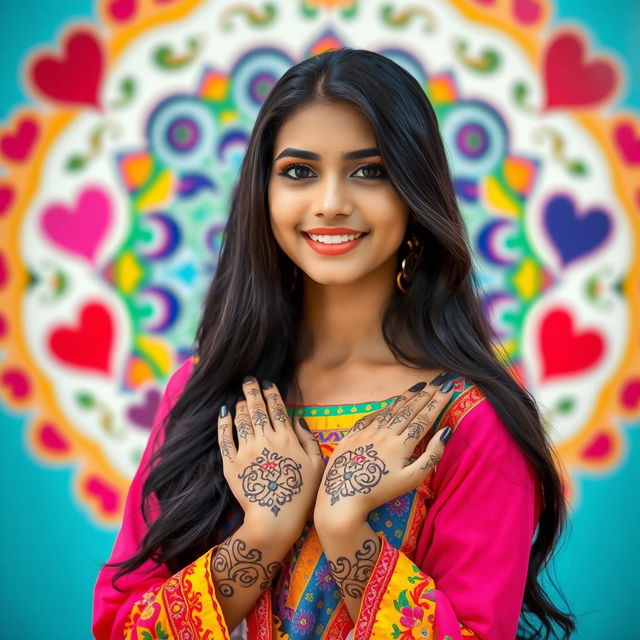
x=570, y=80
x=599, y=447
x=6, y=199
x=17, y=146
x=565, y=350
x=76, y=77
x=89, y=344
x=628, y=142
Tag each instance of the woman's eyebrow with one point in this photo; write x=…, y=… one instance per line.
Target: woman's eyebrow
x=310, y=155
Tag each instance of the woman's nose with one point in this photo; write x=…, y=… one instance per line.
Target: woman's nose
x=334, y=197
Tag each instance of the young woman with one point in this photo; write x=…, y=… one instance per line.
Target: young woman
x=298, y=474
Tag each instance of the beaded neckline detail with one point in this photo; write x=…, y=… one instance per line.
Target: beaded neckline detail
x=338, y=409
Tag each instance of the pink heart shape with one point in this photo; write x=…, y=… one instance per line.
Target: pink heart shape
x=16, y=382
x=108, y=498
x=52, y=439
x=6, y=199
x=631, y=394
x=122, y=10
x=82, y=229
x=628, y=142
x=526, y=11
x=17, y=146
x=599, y=447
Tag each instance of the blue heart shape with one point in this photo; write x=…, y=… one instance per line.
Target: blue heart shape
x=574, y=235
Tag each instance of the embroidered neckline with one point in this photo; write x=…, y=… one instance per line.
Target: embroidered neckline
x=338, y=409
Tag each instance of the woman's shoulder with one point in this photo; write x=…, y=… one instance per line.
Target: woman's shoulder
x=480, y=439
x=178, y=379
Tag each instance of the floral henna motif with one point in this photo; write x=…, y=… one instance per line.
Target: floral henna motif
x=414, y=431
x=431, y=462
x=352, y=576
x=244, y=428
x=354, y=472
x=236, y=566
x=260, y=419
x=271, y=480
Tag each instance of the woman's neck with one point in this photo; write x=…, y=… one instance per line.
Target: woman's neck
x=342, y=324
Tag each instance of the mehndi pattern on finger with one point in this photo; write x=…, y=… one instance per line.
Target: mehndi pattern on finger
x=354, y=472
x=271, y=480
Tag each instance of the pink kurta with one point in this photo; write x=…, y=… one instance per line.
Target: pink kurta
x=463, y=577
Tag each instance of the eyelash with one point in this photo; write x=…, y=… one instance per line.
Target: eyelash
x=381, y=172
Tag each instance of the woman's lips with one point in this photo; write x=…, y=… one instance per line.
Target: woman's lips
x=333, y=249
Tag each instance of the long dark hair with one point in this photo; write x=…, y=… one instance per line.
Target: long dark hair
x=251, y=318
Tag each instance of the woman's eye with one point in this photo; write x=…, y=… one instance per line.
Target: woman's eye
x=301, y=172
x=372, y=172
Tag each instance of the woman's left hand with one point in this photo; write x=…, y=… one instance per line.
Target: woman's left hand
x=371, y=464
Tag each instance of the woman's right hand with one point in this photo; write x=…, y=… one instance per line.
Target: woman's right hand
x=275, y=470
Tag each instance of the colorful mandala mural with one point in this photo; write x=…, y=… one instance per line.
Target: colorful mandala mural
x=117, y=186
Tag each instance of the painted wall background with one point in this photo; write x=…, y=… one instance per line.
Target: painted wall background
x=138, y=111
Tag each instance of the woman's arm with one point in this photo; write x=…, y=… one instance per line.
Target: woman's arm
x=468, y=574
x=224, y=583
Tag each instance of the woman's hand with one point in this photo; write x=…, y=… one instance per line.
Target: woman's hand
x=371, y=464
x=275, y=470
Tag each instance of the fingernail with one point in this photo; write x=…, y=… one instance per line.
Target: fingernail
x=447, y=386
x=419, y=386
x=223, y=411
x=445, y=436
x=267, y=384
x=303, y=422
x=247, y=380
x=443, y=377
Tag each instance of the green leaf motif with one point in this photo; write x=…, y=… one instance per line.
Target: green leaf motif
x=161, y=633
x=396, y=631
x=86, y=400
x=146, y=636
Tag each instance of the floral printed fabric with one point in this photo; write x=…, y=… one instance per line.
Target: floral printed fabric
x=400, y=602
x=184, y=606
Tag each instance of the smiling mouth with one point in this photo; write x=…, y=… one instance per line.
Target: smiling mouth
x=333, y=239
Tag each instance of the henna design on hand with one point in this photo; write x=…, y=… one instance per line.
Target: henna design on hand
x=271, y=480
x=431, y=462
x=403, y=415
x=354, y=472
x=260, y=419
x=225, y=444
x=237, y=566
x=414, y=431
x=244, y=429
x=352, y=576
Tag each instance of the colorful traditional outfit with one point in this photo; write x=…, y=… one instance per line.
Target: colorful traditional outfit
x=453, y=562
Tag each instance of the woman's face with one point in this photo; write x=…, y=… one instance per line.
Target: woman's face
x=327, y=179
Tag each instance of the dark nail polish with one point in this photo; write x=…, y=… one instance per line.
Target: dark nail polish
x=224, y=411
x=247, y=379
x=267, y=384
x=443, y=377
x=304, y=424
x=418, y=386
x=447, y=386
x=445, y=436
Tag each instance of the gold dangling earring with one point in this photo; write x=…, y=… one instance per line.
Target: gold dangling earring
x=409, y=263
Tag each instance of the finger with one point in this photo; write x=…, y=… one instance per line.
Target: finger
x=275, y=406
x=421, y=412
x=306, y=439
x=256, y=406
x=225, y=437
x=364, y=422
x=429, y=459
x=244, y=428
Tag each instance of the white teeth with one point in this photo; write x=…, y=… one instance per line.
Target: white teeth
x=334, y=239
